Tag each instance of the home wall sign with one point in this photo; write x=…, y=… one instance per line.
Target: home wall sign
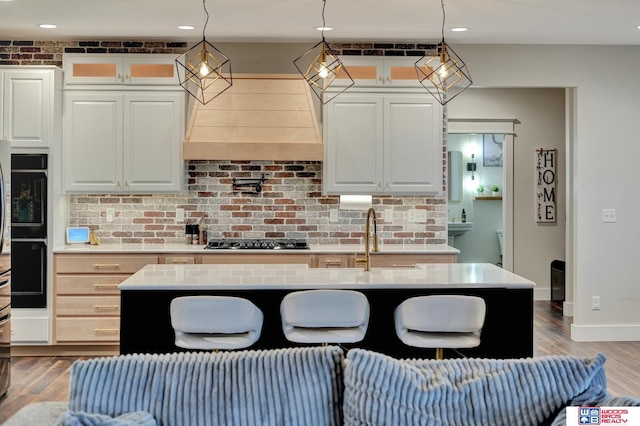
x=546, y=185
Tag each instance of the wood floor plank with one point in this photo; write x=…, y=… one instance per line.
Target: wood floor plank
x=35, y=379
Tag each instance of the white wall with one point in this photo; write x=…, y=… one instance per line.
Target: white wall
x=541, y=116
x=605, y=150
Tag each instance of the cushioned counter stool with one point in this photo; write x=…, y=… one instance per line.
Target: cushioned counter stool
x=324, y=316
x=215, y=322
x=440, y=321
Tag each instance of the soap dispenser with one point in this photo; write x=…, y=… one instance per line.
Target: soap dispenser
x=464, y=216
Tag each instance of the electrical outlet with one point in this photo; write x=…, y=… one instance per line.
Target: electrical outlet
x=595, y=303
x=110, y=214
x=179, y=215
x=608, y=215
x=333, y=215
x=412, y=216
x=417, y=215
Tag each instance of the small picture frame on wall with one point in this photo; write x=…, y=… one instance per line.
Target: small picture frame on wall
x=492, y=150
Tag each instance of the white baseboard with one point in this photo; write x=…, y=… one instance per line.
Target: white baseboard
x=567, y=309
x=605, y=333
x=541, y=293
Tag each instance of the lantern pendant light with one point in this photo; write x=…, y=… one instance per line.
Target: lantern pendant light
x=204, y=71
x=320, y=66
x=442, y=72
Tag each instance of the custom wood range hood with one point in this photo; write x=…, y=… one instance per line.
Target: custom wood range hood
x=260, y=117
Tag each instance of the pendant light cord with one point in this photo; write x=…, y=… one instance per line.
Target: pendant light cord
x=443, y=18
x=204, y=6
x=324, y=24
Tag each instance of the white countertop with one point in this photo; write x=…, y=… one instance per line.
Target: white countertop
x=199, y=249
x=289, y=276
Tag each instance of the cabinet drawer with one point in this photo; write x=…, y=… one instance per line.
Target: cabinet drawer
x=177, y=259
x=102, y=264
x=334, y=261
x=88, y=284
x=81, y=329
x=408, y=260
x=88, y=305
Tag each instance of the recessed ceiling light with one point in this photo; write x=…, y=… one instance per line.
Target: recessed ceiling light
x=186, y=27
x=324, y=28
x=459, y=29
x=48, y=26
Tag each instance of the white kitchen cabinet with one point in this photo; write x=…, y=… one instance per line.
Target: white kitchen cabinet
x=30, y=108
x=379, y=143
x=123, y=141
x=376, y=71
x=115, y=69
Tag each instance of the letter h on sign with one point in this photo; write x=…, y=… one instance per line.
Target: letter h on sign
x=546, y=185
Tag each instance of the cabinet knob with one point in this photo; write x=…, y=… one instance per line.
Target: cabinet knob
x=119, y=77
x=388, y=79
x=126, y=77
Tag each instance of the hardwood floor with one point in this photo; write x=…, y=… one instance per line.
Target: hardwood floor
x=47, y=378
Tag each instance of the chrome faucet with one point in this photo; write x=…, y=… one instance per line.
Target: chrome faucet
x=371, y=217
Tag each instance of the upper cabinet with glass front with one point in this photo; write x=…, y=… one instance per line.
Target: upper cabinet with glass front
x=120, y=69
x=378, y=71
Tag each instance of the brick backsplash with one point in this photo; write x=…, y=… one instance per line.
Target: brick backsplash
x=291, y=205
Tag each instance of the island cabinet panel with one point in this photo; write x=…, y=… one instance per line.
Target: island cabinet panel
x=87, y=299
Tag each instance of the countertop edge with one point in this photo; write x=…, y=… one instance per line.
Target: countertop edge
x=199, y=249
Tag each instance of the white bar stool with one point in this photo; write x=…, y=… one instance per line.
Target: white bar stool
x=324, y=316
x=440, y=321
x=215, y=322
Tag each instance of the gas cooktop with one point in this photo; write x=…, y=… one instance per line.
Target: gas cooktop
x=258, y=244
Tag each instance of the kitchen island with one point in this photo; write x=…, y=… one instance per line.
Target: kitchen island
x=145, y=297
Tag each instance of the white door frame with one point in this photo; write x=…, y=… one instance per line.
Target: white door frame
x=505, y=126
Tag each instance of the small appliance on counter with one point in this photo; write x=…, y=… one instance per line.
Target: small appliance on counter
x=257, y=244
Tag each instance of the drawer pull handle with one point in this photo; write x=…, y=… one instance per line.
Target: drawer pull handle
x=106, y=331
x=106, y=307
x=103, y=286
x=106, y=265
x=333, y=262
x=180, y=261
x=409, y=265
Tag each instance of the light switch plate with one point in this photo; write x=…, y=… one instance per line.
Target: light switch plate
x=333, y=215
x=388, y=215
x=608, y=215
x=110, y=214
x=179, y=215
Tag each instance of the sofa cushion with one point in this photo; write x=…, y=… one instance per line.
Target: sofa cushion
x=380, y=390
x=294, y=386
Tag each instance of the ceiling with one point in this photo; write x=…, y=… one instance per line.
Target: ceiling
x=490, y=21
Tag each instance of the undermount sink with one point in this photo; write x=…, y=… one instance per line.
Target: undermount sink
x=455, y=229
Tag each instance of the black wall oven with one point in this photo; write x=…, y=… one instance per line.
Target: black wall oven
x=29, y=230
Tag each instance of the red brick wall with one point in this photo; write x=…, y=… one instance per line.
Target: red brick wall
x=291, y=205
